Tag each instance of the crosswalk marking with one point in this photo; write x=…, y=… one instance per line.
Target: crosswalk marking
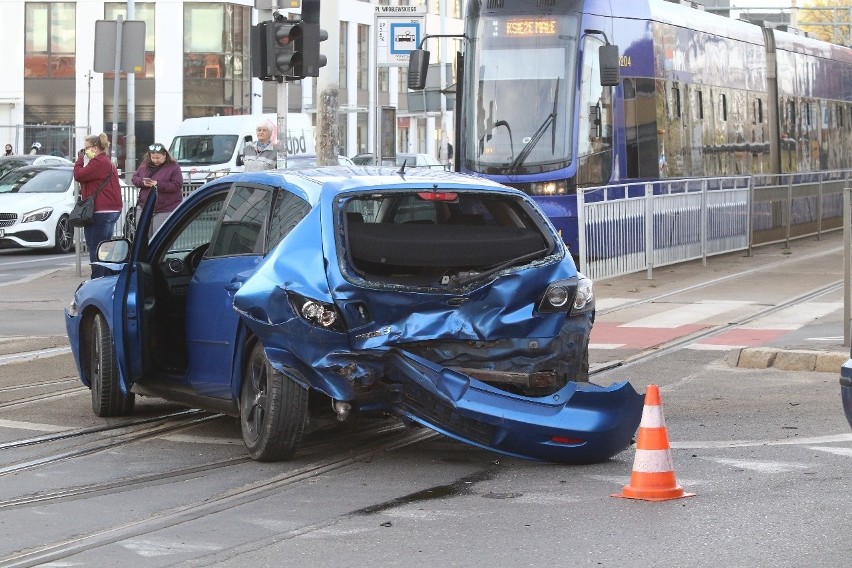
x=687, y=314
x=687, y=319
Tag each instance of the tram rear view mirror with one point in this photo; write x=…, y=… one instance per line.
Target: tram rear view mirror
x=418, y=67
x=610, y=72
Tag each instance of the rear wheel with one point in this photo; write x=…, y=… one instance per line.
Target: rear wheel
x=107, y=398
x=64, y=242
x=273, y=409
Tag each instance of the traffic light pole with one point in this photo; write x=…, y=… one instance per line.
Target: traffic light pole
x=282, y=102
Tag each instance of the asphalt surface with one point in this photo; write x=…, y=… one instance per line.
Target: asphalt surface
x=32, y=307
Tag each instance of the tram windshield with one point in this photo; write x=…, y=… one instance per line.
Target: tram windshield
x=520, y=94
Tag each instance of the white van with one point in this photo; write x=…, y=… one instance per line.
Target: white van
x=211, y=146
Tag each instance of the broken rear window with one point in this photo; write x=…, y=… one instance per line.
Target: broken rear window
x=440, y=238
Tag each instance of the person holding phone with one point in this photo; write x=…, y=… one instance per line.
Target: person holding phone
x=159, y=170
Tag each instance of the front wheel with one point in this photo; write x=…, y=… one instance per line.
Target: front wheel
x=273, y=409
x=64, y=242
x=107, y=398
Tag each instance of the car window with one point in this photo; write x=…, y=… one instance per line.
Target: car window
x=36, y=181
x=287, y=212
x=244, y=222
x=198, y=230
x=203, y=149
x=9, y=165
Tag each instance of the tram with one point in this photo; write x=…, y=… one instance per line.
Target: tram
x=694, y=95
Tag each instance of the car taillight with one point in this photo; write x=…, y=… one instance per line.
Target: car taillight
x=319, y=314
x=438, y=195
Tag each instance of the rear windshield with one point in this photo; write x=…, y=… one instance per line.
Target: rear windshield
x=432, y=238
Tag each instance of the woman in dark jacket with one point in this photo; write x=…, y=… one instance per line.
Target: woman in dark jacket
x=94, y=169
x=158, y=170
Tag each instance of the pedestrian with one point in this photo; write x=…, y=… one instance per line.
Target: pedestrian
x=159, y=171
x=261, y=154
x=36, y=148
x=93, y=169
x=8, y=150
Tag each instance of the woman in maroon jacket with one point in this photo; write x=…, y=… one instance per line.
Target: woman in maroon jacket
x=93, y=166
x=160, y=171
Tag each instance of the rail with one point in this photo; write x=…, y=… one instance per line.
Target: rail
x=627, y=228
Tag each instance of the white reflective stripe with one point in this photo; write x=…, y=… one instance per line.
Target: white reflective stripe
x=652, y=417
x=653, y=461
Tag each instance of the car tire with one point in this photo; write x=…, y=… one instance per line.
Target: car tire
x=64, y=236
x=273, y=409
x=102, y=366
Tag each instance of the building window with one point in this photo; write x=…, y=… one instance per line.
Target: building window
x=363, y=57
x=145, y=13
x=50, y=40
x=344, y=38
x=216, y=60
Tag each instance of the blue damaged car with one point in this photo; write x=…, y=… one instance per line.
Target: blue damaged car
x=446, y=300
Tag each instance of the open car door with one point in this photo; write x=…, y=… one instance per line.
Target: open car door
x=133, y=302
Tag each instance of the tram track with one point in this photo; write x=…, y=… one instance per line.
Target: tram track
x=680, y=342
x=393, y=439
x=364, y=435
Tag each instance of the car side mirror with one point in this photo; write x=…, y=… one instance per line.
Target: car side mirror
x=116, y=250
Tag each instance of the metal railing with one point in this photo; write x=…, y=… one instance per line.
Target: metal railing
x=632, y=227
x=638, y=226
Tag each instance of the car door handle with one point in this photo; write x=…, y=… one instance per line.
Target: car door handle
x=233, y=285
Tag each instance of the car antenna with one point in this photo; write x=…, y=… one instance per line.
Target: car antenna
x=401, y=171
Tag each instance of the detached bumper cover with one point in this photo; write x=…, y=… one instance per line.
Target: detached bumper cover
x=581, y=423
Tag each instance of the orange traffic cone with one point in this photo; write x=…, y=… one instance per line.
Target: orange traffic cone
x=653, y=477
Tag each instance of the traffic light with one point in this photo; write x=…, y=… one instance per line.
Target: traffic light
x=309, y=48
x=286, y=37
x=312, y=35
x=273, y=50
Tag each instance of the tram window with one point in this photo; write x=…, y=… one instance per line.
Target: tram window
x=791, y=112
x=808, y=113
x=724, y=103
x=758, y=111
x=676, y=101
x=700, y=105
x=840, y=116
x=629, y=89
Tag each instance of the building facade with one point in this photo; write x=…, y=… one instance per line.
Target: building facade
x=197, y=63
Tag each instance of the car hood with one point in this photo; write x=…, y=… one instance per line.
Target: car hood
x=23, y=202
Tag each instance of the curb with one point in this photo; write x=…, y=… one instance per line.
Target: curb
x=788, y=359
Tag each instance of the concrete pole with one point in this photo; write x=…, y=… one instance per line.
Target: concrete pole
x=130, y=143
x=328, y=88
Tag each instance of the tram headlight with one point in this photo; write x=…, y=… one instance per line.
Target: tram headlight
x=553, y=187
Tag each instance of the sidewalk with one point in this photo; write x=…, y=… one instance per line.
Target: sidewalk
x=815, y=346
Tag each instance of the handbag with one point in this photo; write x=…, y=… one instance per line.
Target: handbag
x=83, y=213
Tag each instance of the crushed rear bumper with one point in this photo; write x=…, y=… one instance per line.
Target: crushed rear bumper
x=580, y=423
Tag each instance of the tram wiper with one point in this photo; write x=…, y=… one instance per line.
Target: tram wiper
x=467, y=278
x=549, y=120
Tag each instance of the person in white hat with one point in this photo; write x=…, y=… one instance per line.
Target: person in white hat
x=35, y=148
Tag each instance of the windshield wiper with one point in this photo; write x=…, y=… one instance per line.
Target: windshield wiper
x=461, y=280
x=549, y=120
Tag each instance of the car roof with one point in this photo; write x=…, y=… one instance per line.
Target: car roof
x=311, y=183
